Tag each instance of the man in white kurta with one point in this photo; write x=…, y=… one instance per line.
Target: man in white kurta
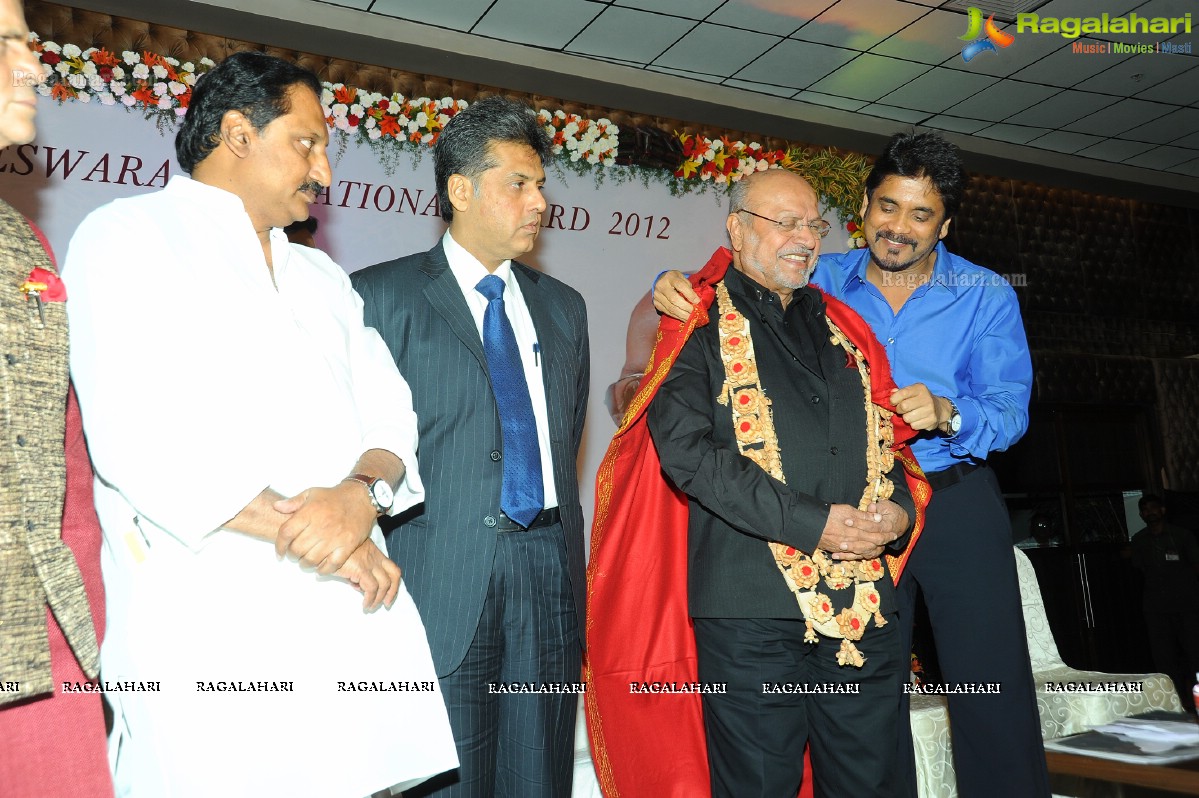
x=206, y=378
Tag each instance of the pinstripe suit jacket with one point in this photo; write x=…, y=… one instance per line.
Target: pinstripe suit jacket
x=445, y=547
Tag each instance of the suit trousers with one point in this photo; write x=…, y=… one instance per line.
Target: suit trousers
x=512, y=742
x=756, y=731
x=964, y=565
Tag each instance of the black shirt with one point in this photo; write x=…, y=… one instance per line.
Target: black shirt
x=819, y=416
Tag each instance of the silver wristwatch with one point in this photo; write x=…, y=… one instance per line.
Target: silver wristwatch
x=380, y=493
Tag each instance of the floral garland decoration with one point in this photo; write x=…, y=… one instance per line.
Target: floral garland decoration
x=161, y=87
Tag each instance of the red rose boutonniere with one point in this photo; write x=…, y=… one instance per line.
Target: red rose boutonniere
x=43, y=285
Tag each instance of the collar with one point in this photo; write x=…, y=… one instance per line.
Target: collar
x=467, y=269
x=738, y=282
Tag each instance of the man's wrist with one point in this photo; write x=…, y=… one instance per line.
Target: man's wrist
x=952, y=424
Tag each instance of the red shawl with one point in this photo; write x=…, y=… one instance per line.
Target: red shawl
x=638, y=626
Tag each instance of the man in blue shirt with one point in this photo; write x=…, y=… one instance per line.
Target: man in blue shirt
x=957, y=347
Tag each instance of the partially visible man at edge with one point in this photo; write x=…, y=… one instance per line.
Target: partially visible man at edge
x=234, y=373
x=51, y=593
x=497, y=354
x=958, y=351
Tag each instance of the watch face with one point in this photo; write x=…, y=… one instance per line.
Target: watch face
x=955, y=423
x=382, y=493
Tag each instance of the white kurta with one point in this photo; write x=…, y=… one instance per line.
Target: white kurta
x=201, y=385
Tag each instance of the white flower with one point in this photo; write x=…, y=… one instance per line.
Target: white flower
x=172, y=60
x=188, y=66
x=443, y=119
x=160, y=71
x=141, y=72
x=374, y=134
x=176, y=88
x=206, y=61
x=164, y=103
x=557, y=149
x=544, y=115
x=128, y=99
x=118, y=73
x=570, y=129
x=340, y=110
x=180, y=111
x=160, y=89
x=413, y=126
x=356, y=109
x=89, y=52
x=421, y=101
x=425, y=139
x=78, y=81
x=189, y=79
x=51, y=47
x=370, y=123
x=422, y=120
x=592, y=158
x=130, y=57
x=341, y=123
x=575, y=155
x=609, y=162
x=604, y=122
x=83, y=97
x=107, y=98
x=89, y=68
x=559, y=114
x=762, y=166
x=43, y=89
x=403, y=120
x=33, y=37
x=63, y=68
x=117, y=89
x=326, y=96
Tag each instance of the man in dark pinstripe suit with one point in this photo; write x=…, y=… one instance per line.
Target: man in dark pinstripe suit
x=502, y=601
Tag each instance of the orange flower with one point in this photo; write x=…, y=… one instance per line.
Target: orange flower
x=104, y=58
x=345, y=94
x=389, y=126
x=63, y=91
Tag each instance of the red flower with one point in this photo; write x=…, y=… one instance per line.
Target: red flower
x=352, y=120
x=51, y=58
x=48, y=285
x=384, y=104
x=105, y=73
x=851, y=227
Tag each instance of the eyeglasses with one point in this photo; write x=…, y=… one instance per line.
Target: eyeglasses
x=819, y=227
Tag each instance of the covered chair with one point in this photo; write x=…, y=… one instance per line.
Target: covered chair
x=1062, y=713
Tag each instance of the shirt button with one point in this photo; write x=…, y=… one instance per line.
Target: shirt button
x=890, y=340
x=495, y=456
x=832, y=450
x=489, y=521
x=20, y=440
x=815, y=400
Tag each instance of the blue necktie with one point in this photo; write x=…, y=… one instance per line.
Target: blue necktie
x=523, y=492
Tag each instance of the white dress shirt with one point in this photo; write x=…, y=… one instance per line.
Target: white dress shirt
x=202, y=383
x=468, y=271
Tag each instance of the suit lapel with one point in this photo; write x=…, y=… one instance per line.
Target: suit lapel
x=552, y=338
x=445, y=297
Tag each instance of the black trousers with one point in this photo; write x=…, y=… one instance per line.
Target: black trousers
x=756, y=737
x=965, y=567
x=516, y=744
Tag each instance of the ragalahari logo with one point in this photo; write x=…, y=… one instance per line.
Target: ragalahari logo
x=992, y=38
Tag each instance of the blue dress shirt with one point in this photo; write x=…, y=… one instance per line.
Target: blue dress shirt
x=961, y=335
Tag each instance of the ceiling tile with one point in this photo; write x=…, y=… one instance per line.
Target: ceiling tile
x=869, y=77
x=1025, y=50
x=453, y=14
x=1061, y=141
x=1085, y=8
x=1062, y=109
x=938, y=89
x=1149, y=10
x=1188, y=168
x=829, y=100
x=683, y=73
x=1190, y=140
x=761, y=88
x=1137, y=73
x=954, y=124
x=1114, y=150
x=777, y=16
x=1120, y=117
x=630, y=35
x=1167, y=128
x=541, y=23
x=891, y=112
x=691, y=9
x=930, y=39
x=859, y=24
x=1163, y=157
x=1182, y=89
x=1001, y=100
x=1016, y=134
x=1064, y=67
x=797, y=64
x=715, y=49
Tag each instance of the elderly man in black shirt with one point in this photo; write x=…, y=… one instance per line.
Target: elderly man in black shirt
x=763, y=423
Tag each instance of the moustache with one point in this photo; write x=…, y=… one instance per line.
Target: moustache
x=881, y=234
x=312, y=186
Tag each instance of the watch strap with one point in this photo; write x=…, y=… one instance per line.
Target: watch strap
x=369, y=482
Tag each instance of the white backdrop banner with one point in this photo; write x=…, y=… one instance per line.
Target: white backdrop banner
x=606, y=240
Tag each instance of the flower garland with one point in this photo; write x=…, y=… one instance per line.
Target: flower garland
x=161, y=86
